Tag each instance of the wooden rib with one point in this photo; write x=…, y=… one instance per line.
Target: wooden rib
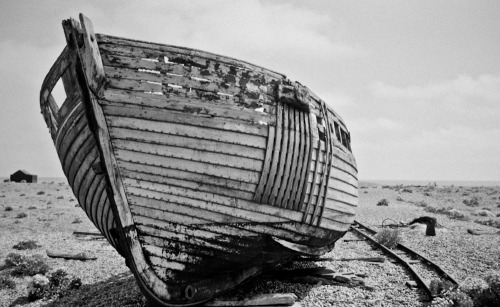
x=306, y=148
x=163, y=171
x=95, y=199
x=189, y=154
x=328, y=166
x=201, y=186
x=284, y=162
x=80, y=158
x=288, y=175
x=68, y=123
x=229, y=137
x=267, y=165
x=188, y=165
x=314, y=138
x=84, y=175
x=223, y=108
x=278, y=181
x=293, y=174
x=93, y=187
x=68, y=150
x=276, y=153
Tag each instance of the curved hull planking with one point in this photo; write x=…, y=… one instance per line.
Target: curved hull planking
x=217, y=169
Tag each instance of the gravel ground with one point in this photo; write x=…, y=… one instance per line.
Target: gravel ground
x=107, y=281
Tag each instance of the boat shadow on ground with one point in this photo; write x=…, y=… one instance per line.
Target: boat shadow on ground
x=122, y=290
x=119, y=290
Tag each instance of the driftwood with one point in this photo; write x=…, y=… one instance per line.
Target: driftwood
x=282, y=299
x=79, y=256
x=85, y=233
x=369, y=259
x=479, y=232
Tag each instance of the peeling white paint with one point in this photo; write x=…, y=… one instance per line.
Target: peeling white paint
x=150, y=60
x=150, y=71
x=152, y=82
x=224, y=94
x=174, y=85
x=154, y=93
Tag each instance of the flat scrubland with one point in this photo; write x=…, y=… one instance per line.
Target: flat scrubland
x=48, y=213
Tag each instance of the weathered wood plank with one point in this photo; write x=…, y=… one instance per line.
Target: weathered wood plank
x=166, y=116
x=130, y=167
x=199, y=199
x=91, y=57
x=120, y=73
x=342, y=186
x=83, y=140
x=342, y=196
x=74, y=123
x=187, y=142
x=151, y=50
x=201, y=186
x=229, y=137
x=221, y=108
x=189, y=154
x=187, y=165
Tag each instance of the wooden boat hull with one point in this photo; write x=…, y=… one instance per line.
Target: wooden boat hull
x=201, y=170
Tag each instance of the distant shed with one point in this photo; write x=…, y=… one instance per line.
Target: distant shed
x=21, y=175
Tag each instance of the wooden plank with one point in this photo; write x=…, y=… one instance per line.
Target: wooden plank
x=267, y=165
x=91, y=57
x=344, y=177
x=120, y=73
x=198, y=199
x=343, y=186
x=201, y=186
x=187, y=142
x=222, y=108
x=130, y=167
x=342, y=196
x=204, y=233
x=229, y=137
x=277, y=192
x=148, y=50
x=276, y=153
x=163, y=211
x=189, y=166
x=283, y=299
x=189, y=154
x=240, y=204
x=166, y=116
x=339, y=215
x=166, y=256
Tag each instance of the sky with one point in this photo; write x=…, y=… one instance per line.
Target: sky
x=417, y=82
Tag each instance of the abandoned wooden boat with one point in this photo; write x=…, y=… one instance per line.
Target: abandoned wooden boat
x=201, y=170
